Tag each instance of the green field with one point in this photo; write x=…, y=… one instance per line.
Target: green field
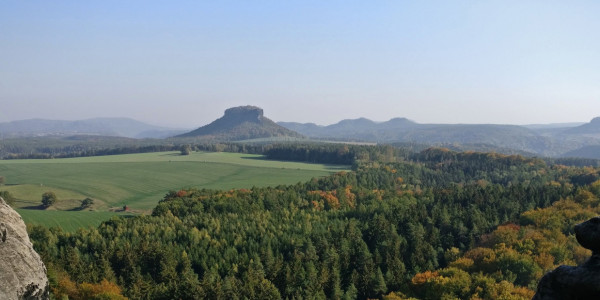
x=67, y=220
x=138, y=180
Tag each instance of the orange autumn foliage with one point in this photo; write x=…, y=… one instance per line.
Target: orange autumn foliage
x=71, y=290
x=422, y=278
x=328, y=197
x=102, y=290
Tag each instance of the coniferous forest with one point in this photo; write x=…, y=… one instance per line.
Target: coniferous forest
x=433, y=224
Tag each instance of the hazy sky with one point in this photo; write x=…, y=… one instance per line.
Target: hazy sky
x=182, y=63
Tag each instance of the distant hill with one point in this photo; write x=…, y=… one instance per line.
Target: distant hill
x=539, y=139
x=591, y=128
x=354, y=129
x=122, y=127
x=553, y=125
x=553, y=128
x=308, y=129
x=592, y=151
x=249, y=123
x=404, y=130
x=241, y=123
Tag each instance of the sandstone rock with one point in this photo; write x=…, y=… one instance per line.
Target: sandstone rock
x=582, y=282
x=22, y=272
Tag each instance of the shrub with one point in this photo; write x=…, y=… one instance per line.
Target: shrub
x=87, y=202
x=8, y=197
x=48, y=199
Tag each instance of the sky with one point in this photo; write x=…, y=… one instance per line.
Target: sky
x=182, y=63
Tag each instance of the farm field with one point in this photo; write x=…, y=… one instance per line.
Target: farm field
x=138, y=180
x=67, y=220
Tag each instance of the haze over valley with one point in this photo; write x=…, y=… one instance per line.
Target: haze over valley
x=248, y=122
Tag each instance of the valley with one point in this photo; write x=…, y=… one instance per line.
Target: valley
x=250, y=125
x=289, y=150
x=245, y=208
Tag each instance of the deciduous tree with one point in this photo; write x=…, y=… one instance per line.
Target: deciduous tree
x=87, y=202
x=48, y=199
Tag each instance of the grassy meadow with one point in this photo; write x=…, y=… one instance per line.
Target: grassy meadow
x=136, y=180
x=67, y=220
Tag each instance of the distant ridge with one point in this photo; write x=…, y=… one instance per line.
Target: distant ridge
x=541, y=139
x=353, y=129
x=122, y=127
x=593, y=127
x=241, y=123
x=591, y=151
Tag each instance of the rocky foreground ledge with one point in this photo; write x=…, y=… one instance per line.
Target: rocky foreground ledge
x=581, y=282
x=22, y=272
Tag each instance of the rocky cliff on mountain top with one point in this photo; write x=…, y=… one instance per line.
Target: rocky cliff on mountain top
x=242, y=123
x=22, y=272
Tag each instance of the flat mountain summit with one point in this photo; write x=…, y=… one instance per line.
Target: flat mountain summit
x=242, y=123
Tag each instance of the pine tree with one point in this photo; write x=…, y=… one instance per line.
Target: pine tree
x=378, y=284
x=351, y=293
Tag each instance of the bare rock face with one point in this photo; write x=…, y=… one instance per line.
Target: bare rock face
x=246, y=113
x=22, y=272
x=582, y=282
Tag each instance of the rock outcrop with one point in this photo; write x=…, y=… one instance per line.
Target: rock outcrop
x=582, y=282
x=22, y=272
x=241, y=123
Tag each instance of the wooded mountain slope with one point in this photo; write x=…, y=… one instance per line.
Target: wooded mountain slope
x=509, y=262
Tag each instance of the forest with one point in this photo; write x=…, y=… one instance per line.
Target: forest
x=434, y=224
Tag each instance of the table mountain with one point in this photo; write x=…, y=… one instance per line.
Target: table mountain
x=242, y=123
